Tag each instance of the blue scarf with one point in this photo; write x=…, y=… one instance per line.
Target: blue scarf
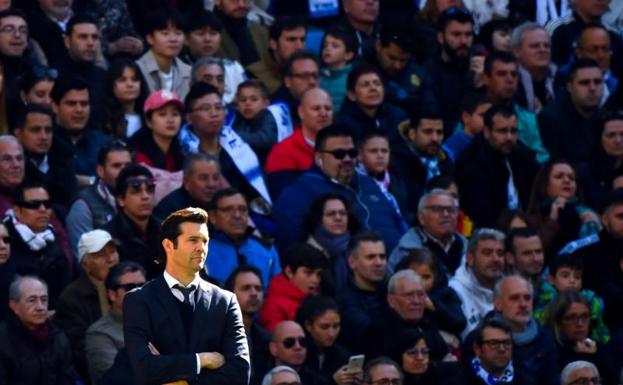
x=505, y=378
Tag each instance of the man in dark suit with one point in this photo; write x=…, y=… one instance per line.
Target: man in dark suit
x=179, y=327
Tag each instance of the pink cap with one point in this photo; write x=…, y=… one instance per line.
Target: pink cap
x=158, y=99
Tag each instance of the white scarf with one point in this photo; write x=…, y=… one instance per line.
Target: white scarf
x=546, y=10
x=507, y=375
x=281, y=114
x=35, y=241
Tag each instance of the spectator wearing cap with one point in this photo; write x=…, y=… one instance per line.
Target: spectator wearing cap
x=157, y=145
x=84, y=300
x=104, y=338
x=160, y=66
x=133, y=225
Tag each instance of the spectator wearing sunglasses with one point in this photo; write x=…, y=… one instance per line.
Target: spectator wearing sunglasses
x=104, y=338
x=133, y=225
x=82, y=302
x=35, y=248
x=289, y=348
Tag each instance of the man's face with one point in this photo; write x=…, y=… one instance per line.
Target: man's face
x=11, y=164
x=594, y=43
x=496, y=350
x=515, y=301
x=535, y=50
x=528, y=255
x=585, y=374
x=374, y=155
x=503, y=135
x=231, y=216
x=304, y=278
x=203, y=42
x=290, y=41
x=98, y=264
x=32, y=306
x=370, y=263
x=189, y=254
x=83, y=43
x=316, y=110
x=138, y=201
x=393, y=59
x=236, y=9
x=337, y=159
x=207, y=115
x=567, y=278
x=214, y=75
x=369, y=91
x=13, y=36
x=56, y=8
x=36, y=135
x=249, y=292
x=386, y=374
x=5, y=245
x=303, y=77
x=427, y=136
x=612, y=138
x=487, y=261
x=591, y=9
x=126, y=280
x=408, y=299
x=502, y=84
x=204, y=181
x=73, y=111
x=285, y=335
x=439, y=216
x=586, y=88
x=362, y=11
x=457, y=39
x=613, y=220
x=166, y=42
x=115, y=162
x=33, y=211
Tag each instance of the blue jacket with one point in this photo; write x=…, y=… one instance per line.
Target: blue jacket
x=373, y=208
x=224, y=256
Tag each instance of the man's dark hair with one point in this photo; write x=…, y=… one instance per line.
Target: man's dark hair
x=490, y=322
x=579, y=65
x=344, y=34
x=115, y=273
x=160, y=18
x=369, y=135
x=304, y=255
x=315, y=306
x=364, y=236
x=571, y=261
x=296, y=56
x=230, y=283
x=518, y=232
x=13, y=12
x=170, y=228
x=473, y=100
x=197, y=91
x=286, y=23
x=64, y=84
x=18, y=194
x=201, y=18
x=23, y=112
x=115, y=145
x=441, y=182
x=423, y=113
x=397, y=35
x=460, y=15
x=419, y=257
x=82, y=18
x=333, y=131
x=129, y=171
x=359, y=71
x=504, y=57
x=497, y=109
x=383, y=360
x=613, y=198
x=224, y=193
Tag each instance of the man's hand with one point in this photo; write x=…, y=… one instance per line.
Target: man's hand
x=211, y=360
x=126, y=44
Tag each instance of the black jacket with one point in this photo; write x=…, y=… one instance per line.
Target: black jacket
x=175, y=200
x=387, y=119
x=334, y=358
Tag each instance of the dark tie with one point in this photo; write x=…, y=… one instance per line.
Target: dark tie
x=186, y=292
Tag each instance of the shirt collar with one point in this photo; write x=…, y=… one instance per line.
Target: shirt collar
x=171, y=281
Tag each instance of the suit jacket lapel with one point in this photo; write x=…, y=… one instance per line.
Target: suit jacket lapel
x=200, y=316
x=166, y=298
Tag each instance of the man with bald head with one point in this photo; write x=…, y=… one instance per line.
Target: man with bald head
x=295, y=154
x=289, y=347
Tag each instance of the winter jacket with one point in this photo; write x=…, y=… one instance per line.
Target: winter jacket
x=476, y=300
x=287, y=160
x=386, y=120
x=334, y=82
x=282, y=301
x=260, y=132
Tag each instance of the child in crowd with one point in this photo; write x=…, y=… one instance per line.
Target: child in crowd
x=565, y=273
x=253, y=121
x=473, y=110
x=300, y=278
x=338, y=49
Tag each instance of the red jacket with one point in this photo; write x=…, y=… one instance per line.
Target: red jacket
x=282, y=301
x=292, y=153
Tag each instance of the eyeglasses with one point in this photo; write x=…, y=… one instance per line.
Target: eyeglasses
x=438, y=209
x=35, y=204
x=11, y=29
x=341, y=153
x=575, y=318
x=586, y=381
x=289, y=342
x=387, y=381
x=306, y=75
x=129, y=286
x=231, y=209
x=415, y=351
x=135, y=184
x=496, y=344
x=6, y=240
x=42, y=72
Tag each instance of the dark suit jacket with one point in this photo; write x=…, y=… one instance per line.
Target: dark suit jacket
x=150, y=314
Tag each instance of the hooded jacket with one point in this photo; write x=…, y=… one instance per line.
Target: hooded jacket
x=282, y=301
x=476, y=299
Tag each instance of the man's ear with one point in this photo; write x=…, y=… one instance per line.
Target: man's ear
x=440, y=38
x=510, y=260
x=288, y=272
x=13, y=306
x=150, y=39
x=168, y=245
x=351, y=96
x=66, y=41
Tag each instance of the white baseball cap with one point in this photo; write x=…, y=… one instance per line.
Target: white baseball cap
x=92, y=242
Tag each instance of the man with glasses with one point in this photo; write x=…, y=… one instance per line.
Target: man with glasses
x=233, y=242
x=493, y=362
x=496, y=171
x=580, y=373
x=334, y=171
x=104, y=338
x=382, y=371
x=289, y=347
x=82, y=302
x=134, y=226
